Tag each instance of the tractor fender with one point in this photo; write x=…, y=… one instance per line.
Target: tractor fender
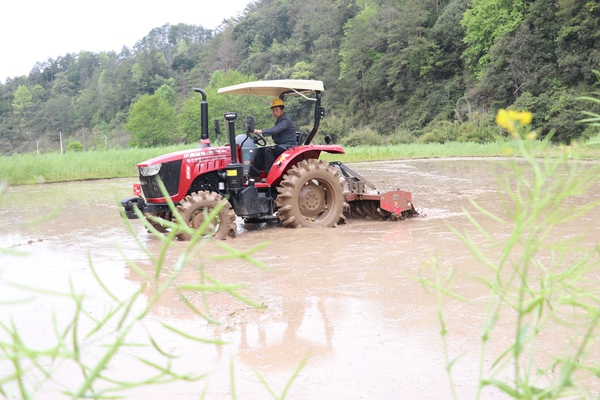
x=294, y=155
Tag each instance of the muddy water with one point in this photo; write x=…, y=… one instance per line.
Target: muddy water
x=344, y=298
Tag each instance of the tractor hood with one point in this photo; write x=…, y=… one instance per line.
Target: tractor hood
x=275, y=88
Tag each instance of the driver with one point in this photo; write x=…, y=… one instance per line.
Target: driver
x=283, y=134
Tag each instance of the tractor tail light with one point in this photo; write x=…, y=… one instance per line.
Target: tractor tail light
x=137, y=189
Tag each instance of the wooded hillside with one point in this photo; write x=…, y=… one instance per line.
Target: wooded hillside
x=394, y=71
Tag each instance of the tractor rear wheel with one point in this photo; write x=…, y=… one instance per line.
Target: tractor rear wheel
x=197, y=205
x=311, y=194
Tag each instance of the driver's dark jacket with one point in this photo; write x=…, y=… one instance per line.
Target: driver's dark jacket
x=283, y=133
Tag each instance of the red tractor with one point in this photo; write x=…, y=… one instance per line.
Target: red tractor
x=300, y=190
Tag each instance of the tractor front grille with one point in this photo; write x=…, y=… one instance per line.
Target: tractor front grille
x=169, y=174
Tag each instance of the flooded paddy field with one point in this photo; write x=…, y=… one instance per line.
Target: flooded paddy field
x=345, y=299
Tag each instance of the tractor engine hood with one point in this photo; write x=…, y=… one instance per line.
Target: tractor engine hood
x=178, y=170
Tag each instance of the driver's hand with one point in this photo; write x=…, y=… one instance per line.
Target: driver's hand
x=259, y=131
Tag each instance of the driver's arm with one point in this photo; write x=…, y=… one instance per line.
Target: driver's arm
x=280, y=126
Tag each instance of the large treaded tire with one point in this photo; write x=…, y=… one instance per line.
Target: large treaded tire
x=311, y=194
x=192, y=209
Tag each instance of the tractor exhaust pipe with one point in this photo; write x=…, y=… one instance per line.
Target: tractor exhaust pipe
x=204, y=140
x=235, y=170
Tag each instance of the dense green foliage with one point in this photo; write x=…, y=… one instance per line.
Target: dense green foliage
x=151, y=121
x=432, y=70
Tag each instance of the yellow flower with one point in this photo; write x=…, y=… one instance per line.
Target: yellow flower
x=525, y=118
x=507, y=119
x=513, y=115
x=502, y=119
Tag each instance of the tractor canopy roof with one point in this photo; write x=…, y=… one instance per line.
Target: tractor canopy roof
x=277, y=88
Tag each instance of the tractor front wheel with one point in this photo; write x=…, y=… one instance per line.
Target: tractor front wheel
x=196, y=206
x=157, y=224
x=311, y=194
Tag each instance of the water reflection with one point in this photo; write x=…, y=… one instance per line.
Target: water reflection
x=303, y=332
x=292, y=326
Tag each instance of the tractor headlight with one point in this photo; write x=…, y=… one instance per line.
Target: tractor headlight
x=151, y=170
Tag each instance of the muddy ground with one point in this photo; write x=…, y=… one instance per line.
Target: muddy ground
x=344, y=298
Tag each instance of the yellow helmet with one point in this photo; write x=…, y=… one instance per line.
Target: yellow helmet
x=277, y=103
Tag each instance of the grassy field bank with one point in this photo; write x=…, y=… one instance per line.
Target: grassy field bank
x=27, y=169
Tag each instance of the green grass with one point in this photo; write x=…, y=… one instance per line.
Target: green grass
x=453, y=149
x=27, y=169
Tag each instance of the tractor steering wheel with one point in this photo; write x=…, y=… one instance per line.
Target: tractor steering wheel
x=257, y=138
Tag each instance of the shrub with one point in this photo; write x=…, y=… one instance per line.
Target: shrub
x=335, y=126
x=75, y=147
x=402, y=136
x=440, y=132
x=477, y=133
x=364, y=137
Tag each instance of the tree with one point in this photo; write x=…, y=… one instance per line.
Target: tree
x=23, y=101
x=167, y=94
x=183, y=60
x=166, y=38
x=223, y=53
x=486, y=21
x=151, y=122
x=578, y=41
x=362, y=46
x=189, y=118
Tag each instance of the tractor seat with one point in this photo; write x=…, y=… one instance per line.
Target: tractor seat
x=301, y=137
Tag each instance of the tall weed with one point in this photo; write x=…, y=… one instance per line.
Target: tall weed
x=87, y=345
x=539, y=282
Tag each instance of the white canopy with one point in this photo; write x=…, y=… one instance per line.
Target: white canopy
x=274, y=88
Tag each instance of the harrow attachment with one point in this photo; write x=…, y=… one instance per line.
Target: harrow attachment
x=366, y=202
